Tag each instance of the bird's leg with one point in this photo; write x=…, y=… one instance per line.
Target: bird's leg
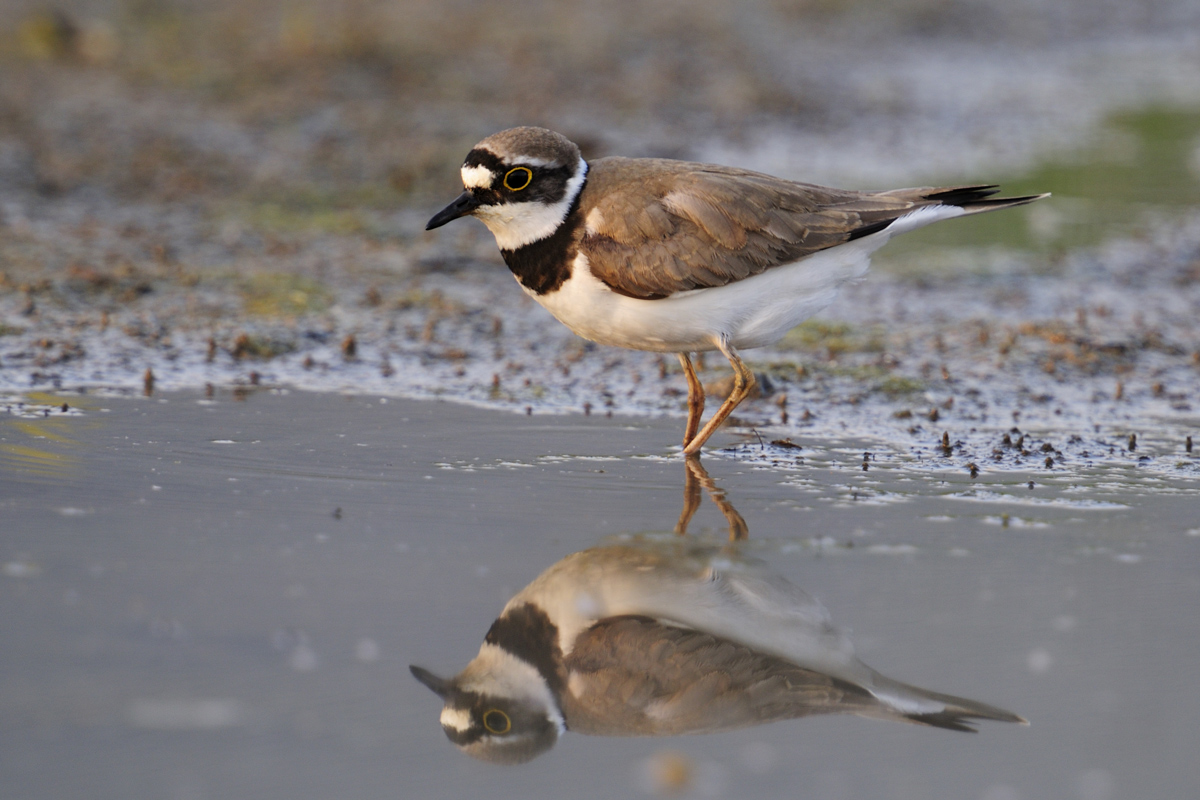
x=691, y=494
x=695, y=399
x=743, y=382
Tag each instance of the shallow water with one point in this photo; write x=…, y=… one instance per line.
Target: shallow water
x=220, y=597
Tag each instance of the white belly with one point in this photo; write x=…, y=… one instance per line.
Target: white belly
x=754, y=312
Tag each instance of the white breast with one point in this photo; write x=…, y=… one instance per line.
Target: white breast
x=735, y=599
x=739, y=601
x=754, y=312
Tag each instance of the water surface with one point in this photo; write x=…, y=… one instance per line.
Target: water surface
x=220, y=597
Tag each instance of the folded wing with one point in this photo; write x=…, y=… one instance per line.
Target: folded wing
x=689, y=226
x=634, y=676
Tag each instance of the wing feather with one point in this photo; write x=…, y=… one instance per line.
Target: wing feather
x=632, y=675
x=656, y=227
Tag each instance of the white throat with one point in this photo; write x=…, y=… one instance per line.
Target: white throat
x=517, y=224
x=498, y=672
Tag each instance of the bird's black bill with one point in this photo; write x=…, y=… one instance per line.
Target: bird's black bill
x=440, y=686
x=465, y=204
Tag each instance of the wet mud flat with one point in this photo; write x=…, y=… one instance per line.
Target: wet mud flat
x=234, y=196
x=1093, y=357
x=215, y=595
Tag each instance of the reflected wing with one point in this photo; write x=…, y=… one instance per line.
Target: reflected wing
x=633, y=675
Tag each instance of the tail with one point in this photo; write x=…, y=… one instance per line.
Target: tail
x=974, y=199
x=959, y=713
x=925, y=205
x=923, y=707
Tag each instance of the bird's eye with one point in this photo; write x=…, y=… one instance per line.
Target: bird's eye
x=496, y=721
x=518, y=178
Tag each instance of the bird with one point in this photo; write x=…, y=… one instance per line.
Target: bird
x=654, y=637
x=680, y=257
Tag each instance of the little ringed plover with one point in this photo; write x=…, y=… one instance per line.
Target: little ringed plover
x=662, y=638
x=678, y=257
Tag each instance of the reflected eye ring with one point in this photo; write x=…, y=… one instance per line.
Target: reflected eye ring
x=496, y=721
x=528, y=178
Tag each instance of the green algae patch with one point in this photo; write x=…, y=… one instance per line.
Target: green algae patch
x=283, y=295
x=348, y=211
x=279, y=218
x=1140, y=166
x=898, y=386
x=831, y=338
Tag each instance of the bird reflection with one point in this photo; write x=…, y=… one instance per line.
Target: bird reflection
x=663, y=636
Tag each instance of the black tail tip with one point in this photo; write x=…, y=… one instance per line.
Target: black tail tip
x=980, y=196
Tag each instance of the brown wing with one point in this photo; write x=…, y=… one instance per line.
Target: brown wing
x=654, y=227
x=634, y=676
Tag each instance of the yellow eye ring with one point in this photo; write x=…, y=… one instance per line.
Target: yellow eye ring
x=528, y=178
x=496, y=721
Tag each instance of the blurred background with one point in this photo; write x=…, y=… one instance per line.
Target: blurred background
x=333, y=105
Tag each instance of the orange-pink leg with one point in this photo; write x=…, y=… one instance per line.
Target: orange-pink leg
x=743, y=383
x=695, y=399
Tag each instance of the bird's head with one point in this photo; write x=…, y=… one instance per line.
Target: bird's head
x=521, y=183
x=503, y=712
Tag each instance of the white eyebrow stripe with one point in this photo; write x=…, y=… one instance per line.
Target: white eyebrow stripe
x=477, y=177
x=457, y=718
x=517, y=224
x=530, y=161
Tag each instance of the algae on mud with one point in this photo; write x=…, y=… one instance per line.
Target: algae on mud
x=1138, y=167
